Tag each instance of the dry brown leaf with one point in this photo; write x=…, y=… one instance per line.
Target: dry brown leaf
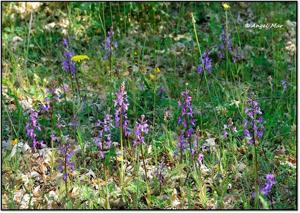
x=174, y=199
x=37, y=191
x=18, y=196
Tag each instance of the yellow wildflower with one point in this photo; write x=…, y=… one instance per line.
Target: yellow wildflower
x=152, y=77
x=78, y=58
x=226, y=6
x=193, y=19
x=15, y=141
x=156, y=70
x=119, y=158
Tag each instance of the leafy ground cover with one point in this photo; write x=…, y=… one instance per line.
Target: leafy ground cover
x=187, y=105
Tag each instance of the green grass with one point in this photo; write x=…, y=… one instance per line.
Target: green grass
x=149, y=35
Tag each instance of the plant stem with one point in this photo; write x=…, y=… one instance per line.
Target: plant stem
x=137, y=158
x=256, y=178
x=181, y=155
x=154, y=95
x=195, y=31
x=28, y=40
x=143, y=156
x=122, y=154
x=110, y=63
x=110, y=13
x=226, y=45
x=107, y=191
x=66, y=181
x=78, y=86
x=9, y=118
x=147, y=181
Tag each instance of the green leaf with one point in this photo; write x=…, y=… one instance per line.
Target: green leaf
x=178, y=170
x=79, y=138
x=264, y=202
